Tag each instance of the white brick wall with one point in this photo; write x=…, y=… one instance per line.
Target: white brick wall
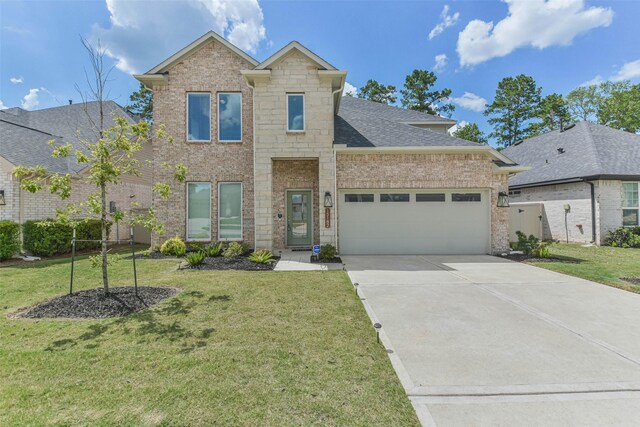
x=609, y=197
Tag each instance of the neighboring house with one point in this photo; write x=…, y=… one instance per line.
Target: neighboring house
x=24, y=137
x=583, y=181
x=278, y=158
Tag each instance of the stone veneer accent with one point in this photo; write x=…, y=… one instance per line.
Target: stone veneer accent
x=438, y=170
x=293, y=175
x=212, y=68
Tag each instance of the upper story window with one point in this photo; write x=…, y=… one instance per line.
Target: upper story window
x=630, y=204
x=230, y=117
x=198, y=117
x=295, y=112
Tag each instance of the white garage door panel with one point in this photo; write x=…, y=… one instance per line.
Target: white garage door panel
x=414, y=227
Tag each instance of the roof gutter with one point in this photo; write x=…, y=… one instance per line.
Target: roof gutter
x=576, y=179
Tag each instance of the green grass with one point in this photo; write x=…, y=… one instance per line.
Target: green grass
x=601, y=264
x=233, y=348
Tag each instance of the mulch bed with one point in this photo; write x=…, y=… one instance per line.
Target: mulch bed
x=95, y=304
x=632, y=280
x=237, y=263
x=334, y=260
x=152, y=255
x=531, y=258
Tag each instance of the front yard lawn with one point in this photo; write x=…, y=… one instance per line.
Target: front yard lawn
x=233, y=348
x=601, y=264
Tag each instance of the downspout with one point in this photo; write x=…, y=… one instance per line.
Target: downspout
x=593, y=211
x=335, y=178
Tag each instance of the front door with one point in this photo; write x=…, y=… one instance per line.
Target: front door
x=299, y=218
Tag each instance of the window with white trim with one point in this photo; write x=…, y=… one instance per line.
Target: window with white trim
x=229, y=117
x=230, y=211
x=198, y=117
x=295, y=112
x=199, y=211
x=630, y=204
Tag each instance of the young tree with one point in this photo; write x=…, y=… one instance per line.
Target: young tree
x=471, y=132
x=377, y=92
x=552, y=112
x=583, y=103
x=417, y=94
x=620, y=106
x=142, y=103
x=107, y=158
x=515, y=104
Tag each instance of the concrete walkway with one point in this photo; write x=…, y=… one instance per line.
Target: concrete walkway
x=477, y=340
x=300, y=261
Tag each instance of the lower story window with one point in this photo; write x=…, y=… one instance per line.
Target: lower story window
x=199, y=211
x=230, y=211
x=630, y=204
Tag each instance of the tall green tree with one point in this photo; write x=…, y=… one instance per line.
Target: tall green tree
x=620, y=106
x=107, y=157
x=471, y=132
x=142, y=103
x=418, y=94
x=552, y=112
x=515, y=104
x=583, y=103
x=377, y=92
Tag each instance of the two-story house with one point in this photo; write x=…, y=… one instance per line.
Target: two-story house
x=277, y=158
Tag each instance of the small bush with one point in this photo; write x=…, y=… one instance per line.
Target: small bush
x=235, y=249
x=47, y=238
x=213, y=250
x=9, y=239
x=146, y=253
x=174, y=246
x=195, y=258
x=624, y=237
x=526, y=244
x=261, y=256
x=327, y=253
x=542, y=250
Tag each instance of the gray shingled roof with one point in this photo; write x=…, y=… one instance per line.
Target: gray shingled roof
x=590, y=150
x=362, y=123
x=24, y=136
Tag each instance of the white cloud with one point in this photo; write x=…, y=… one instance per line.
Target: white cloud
x=349, y=88
x=446, y=22
x=594, y=81
x=16, y=80
x=30, y=100
x=471, y=101
x=630, y=70
x=2, y=106
x=441, y=62
x=537, y=23
x=457, y=126
x=143, y=33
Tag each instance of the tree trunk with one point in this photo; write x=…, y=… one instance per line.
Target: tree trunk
x=103, y=251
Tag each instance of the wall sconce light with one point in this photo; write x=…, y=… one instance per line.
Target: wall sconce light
x=503, y=200
x=328, y=200
x=2, y=201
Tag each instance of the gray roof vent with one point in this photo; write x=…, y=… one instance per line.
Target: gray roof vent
x=518, y=142
x=560, y=150
x=570, y=126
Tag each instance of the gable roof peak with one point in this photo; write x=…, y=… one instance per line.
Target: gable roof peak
x=294, y=45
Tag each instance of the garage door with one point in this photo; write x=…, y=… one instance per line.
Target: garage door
x=414, y=222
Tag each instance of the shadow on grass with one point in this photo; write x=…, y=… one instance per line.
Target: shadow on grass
x=168, y=322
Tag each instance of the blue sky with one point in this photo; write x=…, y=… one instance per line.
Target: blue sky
x=561, y=43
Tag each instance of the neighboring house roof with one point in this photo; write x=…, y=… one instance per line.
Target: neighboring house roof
x=584, y=151
x=24, y=136
x=362, y=123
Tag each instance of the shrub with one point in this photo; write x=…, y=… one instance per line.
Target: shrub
x=261, y=256
x=526, y=244
x=195, y=258
x=213, y=250
x=625, y=237
x=542, y=250
x=234, y=249
x=174, y=246
x=9, y=239
x=327, y=253
x=146, y=253
x=47, y=238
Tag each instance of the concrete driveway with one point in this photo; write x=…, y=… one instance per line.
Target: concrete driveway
x=477, y=340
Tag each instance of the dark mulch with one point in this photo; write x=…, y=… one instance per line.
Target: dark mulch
x=94, y=304
x=152, y=255
x=632, y=280
x=237, y=263
x=336, y=260
x=531, y=258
